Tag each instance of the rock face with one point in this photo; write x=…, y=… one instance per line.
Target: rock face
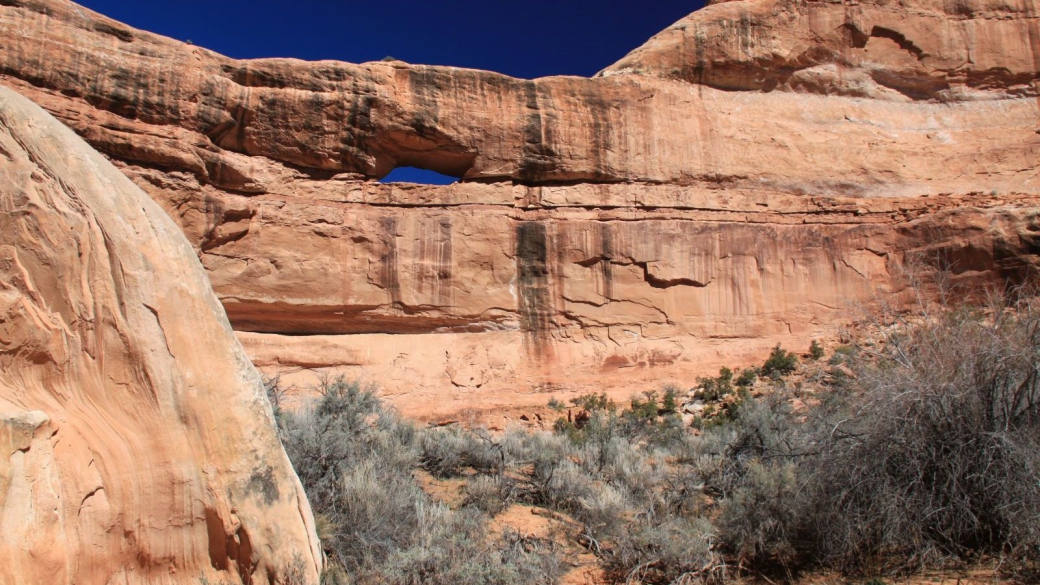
x=136, y=443
x=882, y=49
x=749, y=176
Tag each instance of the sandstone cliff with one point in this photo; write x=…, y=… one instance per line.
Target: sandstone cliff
x=749, y=176
x=136, y=443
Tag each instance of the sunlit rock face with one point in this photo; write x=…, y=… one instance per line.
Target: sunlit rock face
x=136, y=443
x=754, y=174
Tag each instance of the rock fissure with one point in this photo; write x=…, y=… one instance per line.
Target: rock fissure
x=87, y=497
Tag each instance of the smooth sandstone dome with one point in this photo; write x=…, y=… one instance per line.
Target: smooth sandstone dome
x=136, y=442
x=755, y=174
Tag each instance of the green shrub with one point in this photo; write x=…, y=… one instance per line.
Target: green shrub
x=747, y=378
x=715, y=389
x=780, y=363
x=645, y=409
x=594, y=403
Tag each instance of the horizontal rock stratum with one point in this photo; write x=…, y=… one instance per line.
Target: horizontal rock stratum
x=750, y=176
x=136, y=443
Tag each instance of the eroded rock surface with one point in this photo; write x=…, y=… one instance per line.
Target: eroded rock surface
x=751, y=175
x=136, y=443
x=883, y=49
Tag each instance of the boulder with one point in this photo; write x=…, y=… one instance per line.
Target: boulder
x=137, y=445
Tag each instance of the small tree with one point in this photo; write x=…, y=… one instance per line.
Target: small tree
x=725, y=375
x=670, y=402
x=815, y=350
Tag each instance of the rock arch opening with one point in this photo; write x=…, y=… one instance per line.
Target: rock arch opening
x=418, y=176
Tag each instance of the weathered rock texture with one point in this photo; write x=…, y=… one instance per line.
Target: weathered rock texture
x=136, y=443
x=748, y=176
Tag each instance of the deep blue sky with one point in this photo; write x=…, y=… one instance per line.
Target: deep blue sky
x=527, y=39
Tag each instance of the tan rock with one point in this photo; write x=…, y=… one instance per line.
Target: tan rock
x=755, y=174
x=147, y=99
x=896, y=51
x=136, y=443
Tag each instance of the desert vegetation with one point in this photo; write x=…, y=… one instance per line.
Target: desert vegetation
x=915, y=449
x=356, y=459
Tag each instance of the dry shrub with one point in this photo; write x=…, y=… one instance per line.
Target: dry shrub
x=760, y=519
x=356, y=459
x=677, y=550
x=488, y=493
x=447, y=452
x=937, y=454
x=927, y=458
x=452, y=548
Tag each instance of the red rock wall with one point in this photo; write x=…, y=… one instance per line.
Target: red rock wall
x=753, y=174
